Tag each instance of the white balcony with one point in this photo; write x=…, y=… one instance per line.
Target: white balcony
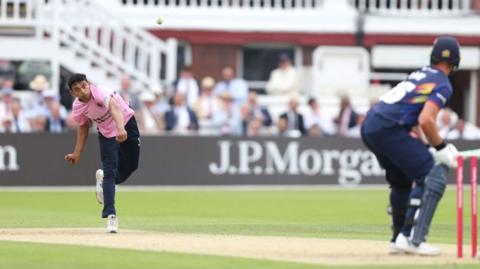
x=419, y=17
x=414, y=8
x=84, y=36
x=240, y=15
x=325, y=16
x=314, y=16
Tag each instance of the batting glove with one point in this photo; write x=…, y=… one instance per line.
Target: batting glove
x=447, y=155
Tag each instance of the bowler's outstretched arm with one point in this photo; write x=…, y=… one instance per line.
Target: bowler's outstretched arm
x=82, y=135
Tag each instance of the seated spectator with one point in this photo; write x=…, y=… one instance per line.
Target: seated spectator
x=283, y=130
x=253, y=111
x=3, y=106
x=206, y=105
x=237, y=87
x=446, y=123
x=187, y=85
x=467, y=130
x=38, y=85
x=348, y=121
x=315, y=131
x=180, y=118
x=55, y=122
x=6, y=126
x=51, y=96
x=20, y=122
x=15, y=120
x=51, y=102
x=285, y=79
x=11, y=109
x=322, y=124
x=256, y=127
x=162, y=103
x=6, y=98
x=228, y=119
x=354, y=132
x=450, y=127
x=294, y=118
x=149, y=121
x=38, y=109
x=38, y=124
x=128, y=94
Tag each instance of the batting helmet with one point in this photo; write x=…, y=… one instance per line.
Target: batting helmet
x=446, y=49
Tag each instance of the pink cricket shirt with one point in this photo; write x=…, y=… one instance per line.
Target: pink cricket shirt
x=96, y=109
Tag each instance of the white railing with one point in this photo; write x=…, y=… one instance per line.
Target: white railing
x=96, y=35
x=242, y=4
x=372, y=6
x=414, y=7
x=115, y=46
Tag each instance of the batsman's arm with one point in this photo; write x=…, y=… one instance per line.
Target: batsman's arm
x=118, y=118
x=427, y=122
x=419, y=133
x=445, y=154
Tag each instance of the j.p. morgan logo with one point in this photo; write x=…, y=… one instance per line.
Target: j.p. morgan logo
x=8, y=159
x=265, y=158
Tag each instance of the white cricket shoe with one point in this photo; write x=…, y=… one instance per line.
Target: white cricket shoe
x=112, y=224
x=424, y=249
x=99, y=186
x=394, y=250
x=402, y=242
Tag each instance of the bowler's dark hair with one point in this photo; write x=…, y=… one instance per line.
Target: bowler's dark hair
x=75, y=78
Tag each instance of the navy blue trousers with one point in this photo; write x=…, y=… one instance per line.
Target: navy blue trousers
x=407, y=162
x=119, y=160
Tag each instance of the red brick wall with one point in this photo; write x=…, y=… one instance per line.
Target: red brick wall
x=208, y=60
x=476, y=5
x=307, y=55
x=240, y=38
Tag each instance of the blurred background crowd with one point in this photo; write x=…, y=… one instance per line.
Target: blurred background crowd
x=313, y=74
x=203, y=106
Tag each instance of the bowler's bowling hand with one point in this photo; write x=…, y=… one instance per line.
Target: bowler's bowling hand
x=121, y=135
x=72, y=158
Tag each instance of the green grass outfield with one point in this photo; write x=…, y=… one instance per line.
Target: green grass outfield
x=329, y=213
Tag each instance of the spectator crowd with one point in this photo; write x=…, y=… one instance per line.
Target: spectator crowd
x=208, y=107
x=42, y=112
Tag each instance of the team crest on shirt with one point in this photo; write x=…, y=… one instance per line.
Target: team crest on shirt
x=418, y=99
x=425, y=88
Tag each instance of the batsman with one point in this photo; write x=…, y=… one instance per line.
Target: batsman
x=398, y=130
